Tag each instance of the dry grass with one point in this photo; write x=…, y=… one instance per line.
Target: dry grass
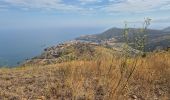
x=107, y=78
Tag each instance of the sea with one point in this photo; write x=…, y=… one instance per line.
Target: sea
x=17, y=45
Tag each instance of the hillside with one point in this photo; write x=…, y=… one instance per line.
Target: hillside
x=70, y=51
x=97, y=69
x=77, y=70
x=101, y=79
x=156, y=38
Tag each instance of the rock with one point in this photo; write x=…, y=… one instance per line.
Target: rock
x=134, y=97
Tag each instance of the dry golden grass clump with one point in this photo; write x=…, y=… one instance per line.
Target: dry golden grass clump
x=107, y=78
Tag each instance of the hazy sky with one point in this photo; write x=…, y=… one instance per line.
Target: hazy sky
x=29, y=14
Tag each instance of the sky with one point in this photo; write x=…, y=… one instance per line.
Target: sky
x=38, y=14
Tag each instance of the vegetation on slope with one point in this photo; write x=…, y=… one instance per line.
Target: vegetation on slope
x=102, y=79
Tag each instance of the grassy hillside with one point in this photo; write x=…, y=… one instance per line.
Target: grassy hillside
x=107, y=78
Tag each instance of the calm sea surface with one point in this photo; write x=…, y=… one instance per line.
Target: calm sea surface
x=18, y=45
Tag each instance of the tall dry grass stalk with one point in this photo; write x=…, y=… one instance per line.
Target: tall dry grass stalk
x=90, y=80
